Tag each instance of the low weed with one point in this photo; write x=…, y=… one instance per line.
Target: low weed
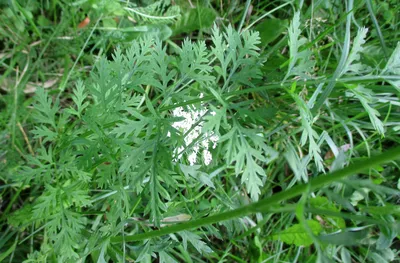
x=199, y=131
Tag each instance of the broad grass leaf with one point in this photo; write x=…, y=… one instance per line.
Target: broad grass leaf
x=271, y=29
x=297, y=235
x=344, y=238
x=345, y=255
x=198, y=18
x=322, y=202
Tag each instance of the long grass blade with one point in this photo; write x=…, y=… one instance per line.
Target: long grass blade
x=264, y=204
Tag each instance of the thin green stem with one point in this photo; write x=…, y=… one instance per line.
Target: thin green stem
x=264, y=15
x=246, y=10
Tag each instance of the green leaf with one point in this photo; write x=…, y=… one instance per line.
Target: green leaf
x=157, y=191
x=21, y=217
x=197, y=18
x=237, y=55
x=164, y=257
x=345, y=255
x=323, y=203
x=10, y=250
x=354, y=56
x=111, y=7
x=45, y=133
x=79, y=98
x=46, y=109
x=309, y=134
x=193, y=63
x=131, y=127
x=195, y=240
x=393, y=67
x=297, y=235
x=270, y=29
x=157, y=31
x=344, y=238
x=213, y=121
x=245, y=147
x=193, y=171
x=301, y=63
x=298, y=166
x=159, y=64
x=251, y=177
x=47, y=203
x=159, y=12
x=109, y=22
x=367, y=99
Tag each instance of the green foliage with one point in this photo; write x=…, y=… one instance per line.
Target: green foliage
x=324, y=203
x=116, y=140
x=367, y=99
x=271, y=29
x=197, y=18
x=195, y=240
x=393, y=66
x=297, y=235
x=116, y=146
x=301, y=63
x=350, y=66
x=157, y=12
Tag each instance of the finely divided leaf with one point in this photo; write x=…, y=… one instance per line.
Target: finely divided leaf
x=193, y=171
x=237, y=55
x=239, y=149
x=46, y=110
x=301, y=63
x=309, y=134
x=45, y=133
x=195, y=240
x=393, y=67
x=354, y=56
x=193, y=63
x=78, y=98
x=367, y=99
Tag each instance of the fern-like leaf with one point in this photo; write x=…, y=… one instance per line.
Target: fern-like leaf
x=354, y=56
x=159, y=12
x=46, y=110
x=301, y=63
x=367, y=99
x=195, y=240
x=393, y=67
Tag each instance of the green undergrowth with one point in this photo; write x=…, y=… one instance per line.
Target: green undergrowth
x=169, y=137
